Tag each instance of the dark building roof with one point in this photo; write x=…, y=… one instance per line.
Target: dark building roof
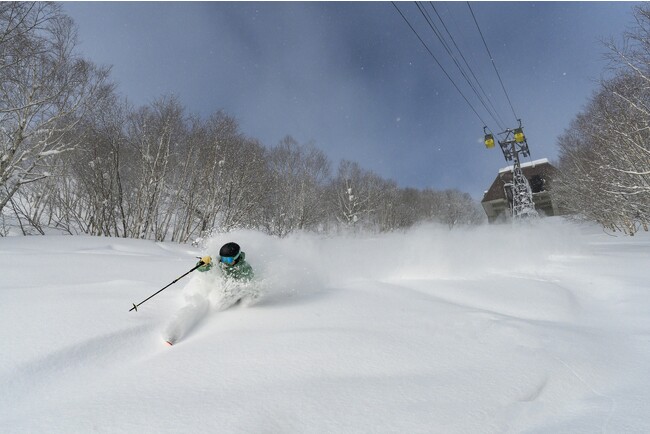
x=539, y=173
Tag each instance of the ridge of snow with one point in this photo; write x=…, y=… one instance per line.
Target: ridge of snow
x=527, y=164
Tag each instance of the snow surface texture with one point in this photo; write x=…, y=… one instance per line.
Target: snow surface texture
x=540, y=328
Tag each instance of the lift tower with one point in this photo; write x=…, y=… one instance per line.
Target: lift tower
x=513, y=144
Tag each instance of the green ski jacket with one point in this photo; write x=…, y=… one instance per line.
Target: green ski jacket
x=241, y=271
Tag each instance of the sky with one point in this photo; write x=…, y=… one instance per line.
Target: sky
x=353, y=79
x=438, y=340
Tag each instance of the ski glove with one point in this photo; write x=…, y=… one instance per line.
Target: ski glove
x=207, y=263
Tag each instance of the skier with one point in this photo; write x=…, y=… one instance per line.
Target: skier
x=221, y=291
x=232, y=263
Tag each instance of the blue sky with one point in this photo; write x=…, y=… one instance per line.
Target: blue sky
x=355, y=80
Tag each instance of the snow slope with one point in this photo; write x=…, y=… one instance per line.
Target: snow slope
x=429, y=331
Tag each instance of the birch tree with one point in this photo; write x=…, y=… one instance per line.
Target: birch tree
x=228, y=182
x=154, y=134
x=357, y=194
x=296, y=200
x=45, y=89
x=95, y=171
x=605, y=154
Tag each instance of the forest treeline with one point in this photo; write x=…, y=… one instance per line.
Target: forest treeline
x=75, y=156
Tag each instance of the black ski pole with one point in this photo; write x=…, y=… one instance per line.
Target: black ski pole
x=135, y=306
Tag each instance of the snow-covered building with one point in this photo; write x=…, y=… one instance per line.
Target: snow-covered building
x=497, y=199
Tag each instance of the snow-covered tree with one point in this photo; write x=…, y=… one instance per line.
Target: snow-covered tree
x=605, y=154
x=299, y=174
x=232, y=177
x=45, y=89
x=357, y=194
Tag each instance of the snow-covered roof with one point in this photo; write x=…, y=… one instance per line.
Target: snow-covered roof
x=529, y=164
x=541, y=167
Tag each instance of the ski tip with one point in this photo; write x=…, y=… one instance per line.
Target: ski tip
x=169, y=342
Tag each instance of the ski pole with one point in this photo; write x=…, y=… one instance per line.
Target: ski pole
x=135, y=306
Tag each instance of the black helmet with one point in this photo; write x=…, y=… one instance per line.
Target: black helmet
x=229, y=250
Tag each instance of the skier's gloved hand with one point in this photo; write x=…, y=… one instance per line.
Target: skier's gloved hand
x=205, y=262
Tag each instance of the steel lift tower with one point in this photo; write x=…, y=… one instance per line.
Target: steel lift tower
x=513, y=144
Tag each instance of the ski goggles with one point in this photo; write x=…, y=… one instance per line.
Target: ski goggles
x=229, y=259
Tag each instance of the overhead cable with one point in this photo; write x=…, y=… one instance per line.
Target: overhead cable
x=467, y=64
x=438, y=34
x=439, y=64
x=492, y=59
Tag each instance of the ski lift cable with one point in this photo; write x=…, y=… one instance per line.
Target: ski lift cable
x=482, y=98
x=439, y=64
x=445, y=45
x=478, y=82
x=492, y=59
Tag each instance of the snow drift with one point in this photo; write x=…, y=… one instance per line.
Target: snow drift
x=542, y=327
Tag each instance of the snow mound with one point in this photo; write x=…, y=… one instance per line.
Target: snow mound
x=542, y=327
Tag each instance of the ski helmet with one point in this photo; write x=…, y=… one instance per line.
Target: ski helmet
x=229, y=250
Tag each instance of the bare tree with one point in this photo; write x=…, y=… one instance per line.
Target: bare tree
x=45, y=89
x=228, y=178
x=299, y=175
x=455, y=208
x=605, y=154
x=153, y=135
x=357, y=194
